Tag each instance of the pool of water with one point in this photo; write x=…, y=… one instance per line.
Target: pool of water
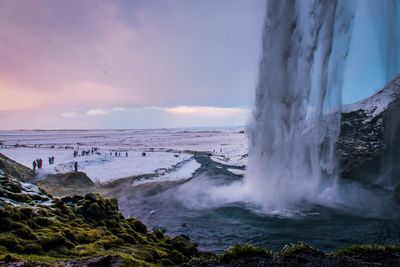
x=185, y=208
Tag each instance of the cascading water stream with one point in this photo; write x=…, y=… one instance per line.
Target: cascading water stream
x=387, y=21
x=297, y=115
x=291, y=151
x=296, y=119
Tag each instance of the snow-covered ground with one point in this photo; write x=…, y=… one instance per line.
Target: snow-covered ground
x=237, y=171
x=182, y=172
x=168, y=151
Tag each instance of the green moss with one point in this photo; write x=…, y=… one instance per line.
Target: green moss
x=127, y=238
x=33, y=247
x=366, y=249
x=3, y=250
x=10, y=241
x=158, y=234
x=52, y=240
x=38, y=260
x=22, y=198
x=91, y=249
x=43, y=221
x=182, y=244
x=42, y=212
x=6, y=223
x=87, y=227
x=25, y=233
x=137, y=225
x=208, y=259
x=243, y=251
x=26, y=213
x=110, y=241
x=301, y=247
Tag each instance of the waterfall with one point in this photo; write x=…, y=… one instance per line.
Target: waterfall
x=386, y=17
x=296, y=119
x=387, y=23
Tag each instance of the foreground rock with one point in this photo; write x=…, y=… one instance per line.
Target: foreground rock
x=301, y=255
x=67, y=184
x=77, y=231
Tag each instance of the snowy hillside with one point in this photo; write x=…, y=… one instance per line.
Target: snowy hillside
x=379, y=101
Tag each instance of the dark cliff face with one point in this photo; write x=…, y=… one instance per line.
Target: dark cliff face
x=369, y=142
x=361, y=146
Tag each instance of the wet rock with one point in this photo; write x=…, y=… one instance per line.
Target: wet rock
x=92, y=197
x=72, y=199
x=182, y=243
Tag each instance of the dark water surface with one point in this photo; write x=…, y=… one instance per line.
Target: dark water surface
x=215, y=228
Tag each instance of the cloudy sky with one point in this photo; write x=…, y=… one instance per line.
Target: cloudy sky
x=138, y=63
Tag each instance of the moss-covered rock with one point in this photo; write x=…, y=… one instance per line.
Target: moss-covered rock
x=75, y=226
x=243, y=251
x=137, y=225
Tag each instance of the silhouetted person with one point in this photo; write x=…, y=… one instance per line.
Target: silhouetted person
x=34, y=165
x=40, y=163
x=49, y=160
x=76, y=166
x=52, y=159
x=126, y=154
x=116, y=154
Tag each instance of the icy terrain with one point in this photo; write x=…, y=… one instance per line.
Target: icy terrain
x=169, y=153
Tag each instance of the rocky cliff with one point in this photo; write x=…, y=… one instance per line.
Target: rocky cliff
x=369, y=141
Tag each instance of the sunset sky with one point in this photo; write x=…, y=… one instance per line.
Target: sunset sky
x=141, y=63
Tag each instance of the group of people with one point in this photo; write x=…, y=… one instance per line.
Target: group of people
x=51, y=160
x=37, y=163
x=118, y=154
x=86, y=152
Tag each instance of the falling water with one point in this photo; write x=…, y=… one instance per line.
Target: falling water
x=291, y=151
x=387, y=23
